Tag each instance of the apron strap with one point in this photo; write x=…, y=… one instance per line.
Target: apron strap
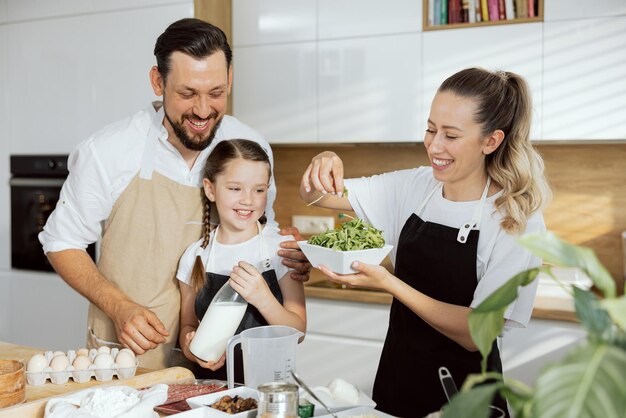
x=421, y=208
x=265, y=259
x=474, y=223
x=149, y=152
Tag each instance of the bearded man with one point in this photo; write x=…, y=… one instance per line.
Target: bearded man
x=135, y=185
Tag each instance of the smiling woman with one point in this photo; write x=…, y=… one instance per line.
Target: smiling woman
x=453, y=226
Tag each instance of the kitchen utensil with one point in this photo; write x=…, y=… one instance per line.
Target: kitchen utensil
x=449, y=387
x=313, y=395
x=269, y=353
x=12, y=383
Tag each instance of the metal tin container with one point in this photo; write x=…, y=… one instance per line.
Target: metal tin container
x=278, y=400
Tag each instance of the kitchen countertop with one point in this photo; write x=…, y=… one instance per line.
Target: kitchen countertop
x=37, y=396
x=318, y=286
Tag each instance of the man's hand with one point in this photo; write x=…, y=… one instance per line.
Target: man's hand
x=293, y=257
x=138, y=328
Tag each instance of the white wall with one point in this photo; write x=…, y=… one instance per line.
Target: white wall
x=67, y=68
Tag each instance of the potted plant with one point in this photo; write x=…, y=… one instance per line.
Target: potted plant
x=590, y=381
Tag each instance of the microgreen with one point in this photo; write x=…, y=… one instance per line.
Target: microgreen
x=352, y=235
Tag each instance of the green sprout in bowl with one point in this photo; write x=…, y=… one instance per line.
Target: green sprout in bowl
x=356, y=234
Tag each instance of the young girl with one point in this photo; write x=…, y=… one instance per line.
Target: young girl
x=238, y=249
x=453, y=226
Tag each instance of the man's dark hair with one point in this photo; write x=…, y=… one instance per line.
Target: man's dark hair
x=191, y=36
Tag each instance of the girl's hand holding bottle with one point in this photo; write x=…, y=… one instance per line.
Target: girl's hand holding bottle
x=206, y=365
x=246, y=280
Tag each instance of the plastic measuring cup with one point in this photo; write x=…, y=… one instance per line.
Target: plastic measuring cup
x=269, y=354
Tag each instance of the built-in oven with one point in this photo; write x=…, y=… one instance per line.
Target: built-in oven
x=36, y=182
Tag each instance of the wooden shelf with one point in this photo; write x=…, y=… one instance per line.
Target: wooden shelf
x=426, y=27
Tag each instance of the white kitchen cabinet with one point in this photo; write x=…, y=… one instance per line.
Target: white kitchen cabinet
x=69, y=76
x=354, y=18
x=369, y=89
x=258, y=22
x=584, y=87
x=3, y=11
x=5, y=116
x=43, y=311
x=21, y=10
x=527, y=351
x=581, y=9
x=344, y=339
x=275, y=90
x=515, y=48
x=5, y=308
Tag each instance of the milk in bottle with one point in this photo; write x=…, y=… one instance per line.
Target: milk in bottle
x=219, y=323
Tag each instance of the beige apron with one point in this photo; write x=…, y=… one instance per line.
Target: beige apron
x=151, y=224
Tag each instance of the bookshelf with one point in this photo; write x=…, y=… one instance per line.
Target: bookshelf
x=459, y=14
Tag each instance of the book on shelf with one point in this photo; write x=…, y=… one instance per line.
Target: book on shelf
x=444, y=12
x=454, y=11
x=501, y=12
x=484, y=10
x=471, y=11
x=531, y=8
x=510, y=11
x=521, y=9
x=431, y=12
x=465, y=11
x=437, y=13
x=494, y=10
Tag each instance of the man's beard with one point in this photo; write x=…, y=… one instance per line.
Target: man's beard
x=187, y=141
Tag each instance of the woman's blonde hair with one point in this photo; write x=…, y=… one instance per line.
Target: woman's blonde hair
x=503, y=102
x=223, y=153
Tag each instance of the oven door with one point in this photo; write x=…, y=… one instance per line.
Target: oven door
x=32, y=201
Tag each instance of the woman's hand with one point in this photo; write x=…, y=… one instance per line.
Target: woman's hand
x=204, y=364
x=293, y=257
x=368, y=275
x=246, y=280
x=324, y=174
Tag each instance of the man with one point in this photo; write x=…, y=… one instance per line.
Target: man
x=136, y=184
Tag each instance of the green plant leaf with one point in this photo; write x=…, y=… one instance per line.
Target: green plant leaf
x=563, y=254
x=473, y=403
x=617, y=310
x=588, y=383
x=487, y=319
x=592, y=316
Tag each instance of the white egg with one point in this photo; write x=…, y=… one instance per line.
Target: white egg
x=58, y=353
x=37, y=363
x=82, y=352
x=124, y=359
x=103, y=361
x=128, y=350
x=104, y=349
x=81, y=362
x=59, y=363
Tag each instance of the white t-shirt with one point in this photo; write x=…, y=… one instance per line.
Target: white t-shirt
x=388, y=200
x=228, y=255
x=103, y=165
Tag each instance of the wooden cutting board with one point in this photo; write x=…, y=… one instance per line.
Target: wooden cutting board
x=37, y=396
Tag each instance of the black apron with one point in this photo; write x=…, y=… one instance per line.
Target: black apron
x=251, y=319
x=440, y=262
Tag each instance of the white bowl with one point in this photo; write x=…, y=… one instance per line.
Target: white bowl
x=340, y=261
x=208, y=399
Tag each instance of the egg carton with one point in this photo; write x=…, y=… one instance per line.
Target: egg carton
x=61, y=377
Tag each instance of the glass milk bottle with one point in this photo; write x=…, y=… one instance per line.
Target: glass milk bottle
x=219, y=323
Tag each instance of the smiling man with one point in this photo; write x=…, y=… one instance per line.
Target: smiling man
x=136, y=185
